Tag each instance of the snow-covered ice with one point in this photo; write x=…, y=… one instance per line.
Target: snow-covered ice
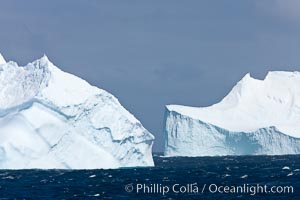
x=2, y=60
x=256, y=117
x=53, y=119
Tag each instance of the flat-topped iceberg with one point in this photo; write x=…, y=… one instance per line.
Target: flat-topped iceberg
x=53, y=119
x=256, y=117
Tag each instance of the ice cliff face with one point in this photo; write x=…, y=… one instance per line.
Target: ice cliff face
x=53, y=119
x=256, y=117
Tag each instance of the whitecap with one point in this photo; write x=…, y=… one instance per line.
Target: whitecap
x=286, y=168
x=8, y=177
x=226, y=175
x=244, y=176
x=290, y=174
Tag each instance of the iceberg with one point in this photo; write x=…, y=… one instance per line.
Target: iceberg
x=50, y=119
x=257, y=117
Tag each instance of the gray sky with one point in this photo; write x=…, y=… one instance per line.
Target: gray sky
x=152, y=53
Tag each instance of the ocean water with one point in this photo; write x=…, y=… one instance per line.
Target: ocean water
x=229, y=177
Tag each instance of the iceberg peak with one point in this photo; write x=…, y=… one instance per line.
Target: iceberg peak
x=44, y=59
x=2, y=60
x=43, y=62
x=247, y=76
x=282, y=75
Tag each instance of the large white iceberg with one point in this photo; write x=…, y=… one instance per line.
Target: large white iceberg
x=256, y=117
x=53, y=119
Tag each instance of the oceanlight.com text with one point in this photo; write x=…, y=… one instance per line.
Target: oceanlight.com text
x=195, y=188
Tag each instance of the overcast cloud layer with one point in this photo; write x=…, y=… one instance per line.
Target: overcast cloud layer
x=153, y=53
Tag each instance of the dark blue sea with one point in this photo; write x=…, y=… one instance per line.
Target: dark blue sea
x=229, y=177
